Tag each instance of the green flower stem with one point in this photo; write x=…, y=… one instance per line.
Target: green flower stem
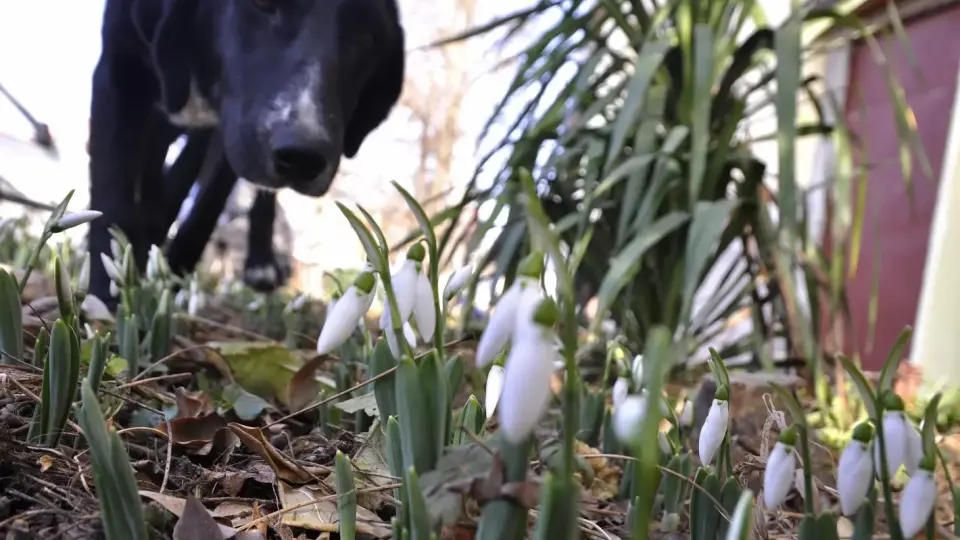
x=437, y=301
x=807, y=474
x=895, y=533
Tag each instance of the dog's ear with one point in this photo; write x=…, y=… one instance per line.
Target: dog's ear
x=380, y=93
x=171, y=48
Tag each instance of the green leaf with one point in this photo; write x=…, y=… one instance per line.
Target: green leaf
x=706, y=228
x=826, y=527
x=420, y=522
x=419, y=448
x=788, y=50
x=889, y=372
x=930, y=425
x=703, y=67
x=346, y=497
x=863, y=386
x=796, y=410
x=11, y=319
x=741, y=522
x=625, y=266
x=425, y=226
x=647, y=64
x=719, y=369
x=376, y=257
x=384, y=388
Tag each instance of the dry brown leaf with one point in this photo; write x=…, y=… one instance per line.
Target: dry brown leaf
x=196, y=523
x=286, y=470
x=324, y=516
x=304, y=386
x=193, y=404
x=176, y=506
x=45, y=462
x=194, y=431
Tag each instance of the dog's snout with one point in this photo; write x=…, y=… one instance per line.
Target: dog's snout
x=299, y=158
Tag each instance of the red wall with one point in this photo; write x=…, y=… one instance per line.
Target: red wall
x=903, y=235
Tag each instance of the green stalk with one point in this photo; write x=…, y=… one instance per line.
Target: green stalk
x=895, y=532
x=807, y=475
x=437, y=302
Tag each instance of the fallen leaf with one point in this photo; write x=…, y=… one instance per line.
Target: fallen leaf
x=364, y=402
x=196, y=523
x=285, y=469
x=246, y=405
x=264, y=368
x=192, y=404
x=176, y=506
x=324, y=516
x=238, y=513
x=304, y=387
x=195, y=431
x=45, y=462
x=458, y=465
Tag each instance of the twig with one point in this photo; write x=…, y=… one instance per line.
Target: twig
x=165, y=359
x=222, y=326
x=159, y=378
x=36, y=400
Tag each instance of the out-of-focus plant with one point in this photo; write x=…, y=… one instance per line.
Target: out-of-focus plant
x=147, y=303
x=117, y=492
x=634, y=118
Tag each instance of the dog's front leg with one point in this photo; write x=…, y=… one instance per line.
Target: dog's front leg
x=262, y=270
x=128, y=136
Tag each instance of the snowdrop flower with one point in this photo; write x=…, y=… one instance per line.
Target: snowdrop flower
x=414, y=295
x=855, y=470
x=636, y=370
x=620, y=390
x=901, y=439
x=457, y=282
x=781, y=466
x=196, y=302
x=408, y=335
x=83, y=280
x=75, y=219
x=111, y=268
x=526, y=378
x=715, y=426
x=503, y=321
x=342, y=316
x=686, y=415
x=297, y=303
x=494, y=389
x=919, y=498
x=628, y=418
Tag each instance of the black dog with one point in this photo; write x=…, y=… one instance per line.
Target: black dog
x=291, y=84
x=263, y=271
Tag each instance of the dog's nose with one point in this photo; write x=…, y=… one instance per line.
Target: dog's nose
x=299, y=159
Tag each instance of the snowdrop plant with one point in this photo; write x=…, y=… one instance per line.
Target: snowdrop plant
x=778, y=476
x=715, y=426
x=855, y=470
x=896, y=444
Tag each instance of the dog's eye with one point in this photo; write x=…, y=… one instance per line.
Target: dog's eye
x=266, y=6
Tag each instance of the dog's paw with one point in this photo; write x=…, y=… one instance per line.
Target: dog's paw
x=262, y=278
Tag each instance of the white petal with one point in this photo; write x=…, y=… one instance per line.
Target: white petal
x=714, y=429
x=74, y=219
x=424, y=310
x=895, y=442
x=500, y=326
x=526, y=387
x=686, y=416
x=493, y=391
x=530, y=298
x=913, y=448
x=409, y=335
x=95, y=309
x=665, y=446
x=114, y=289
x=854, y=476
x=917, y=503
x=636, y=370
x=620, y=390
x=392, y=342
x=341, y=321
x=110, y=267
x=778, y=476
x=405, y=288
x=628, y=417
x=457, y=282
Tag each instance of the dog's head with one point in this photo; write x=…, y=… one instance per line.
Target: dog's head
x=301, y=82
